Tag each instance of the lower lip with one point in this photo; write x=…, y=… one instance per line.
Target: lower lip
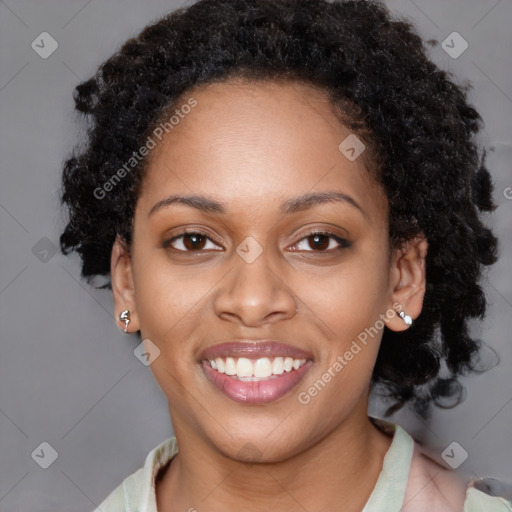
x=255, y=392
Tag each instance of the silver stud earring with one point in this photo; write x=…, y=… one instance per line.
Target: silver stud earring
x=125, y=316
x=406, y=318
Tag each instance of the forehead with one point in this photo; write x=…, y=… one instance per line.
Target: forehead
x=254, y=142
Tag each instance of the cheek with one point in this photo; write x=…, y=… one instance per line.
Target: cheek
x=162, y=303
x=166, y=293
x=169, y=308
x=175, y=313
x=347, y=297
x=347, y=310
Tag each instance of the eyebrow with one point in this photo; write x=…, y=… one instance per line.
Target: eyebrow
x=293, y=205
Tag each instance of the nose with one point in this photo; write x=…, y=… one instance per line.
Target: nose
x=253, y=294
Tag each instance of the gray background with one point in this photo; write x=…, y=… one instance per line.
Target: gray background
x=68, y=375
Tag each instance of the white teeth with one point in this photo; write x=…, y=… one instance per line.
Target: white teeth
x=265, y=367
x=244, y=367
x=278, y=366
x=220, y=364
x=262, y=367
x=230, y=368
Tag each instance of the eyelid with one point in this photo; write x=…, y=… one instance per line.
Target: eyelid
x=342, y=242
x=189, y=231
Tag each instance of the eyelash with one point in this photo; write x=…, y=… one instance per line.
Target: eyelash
x=343, y=243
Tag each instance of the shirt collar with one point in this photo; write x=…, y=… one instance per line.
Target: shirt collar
x=139, y=488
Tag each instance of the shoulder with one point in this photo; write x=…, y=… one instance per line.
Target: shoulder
x=432, y=487
x=130, y=492
x=137, y=491
x=115, y=501
x=476, y=501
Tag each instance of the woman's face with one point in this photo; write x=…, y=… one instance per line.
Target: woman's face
x=255, y=271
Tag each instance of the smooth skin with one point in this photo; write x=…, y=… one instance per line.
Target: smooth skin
x=252, y=146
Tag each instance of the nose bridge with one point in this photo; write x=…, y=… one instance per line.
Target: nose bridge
x=254, y=291
x=252, y=276
x=252, y=265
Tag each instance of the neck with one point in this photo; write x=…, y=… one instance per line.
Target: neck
x=338, y=472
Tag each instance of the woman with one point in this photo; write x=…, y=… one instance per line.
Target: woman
x=286, y=196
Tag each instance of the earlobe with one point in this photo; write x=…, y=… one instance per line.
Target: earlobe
x=408, y=282
x=123, y=286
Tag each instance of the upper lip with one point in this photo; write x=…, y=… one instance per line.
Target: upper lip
x=254, y=349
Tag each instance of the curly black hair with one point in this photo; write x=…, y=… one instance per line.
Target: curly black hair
x=413, y=117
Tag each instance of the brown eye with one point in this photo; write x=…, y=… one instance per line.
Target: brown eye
x=194, y=241
x=322, y=242
x=189, y=242
x=319, y=242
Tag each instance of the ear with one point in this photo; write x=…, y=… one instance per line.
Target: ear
x=123, y=288
x=407, y=281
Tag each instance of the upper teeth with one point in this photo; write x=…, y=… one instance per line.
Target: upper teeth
x=264, y=367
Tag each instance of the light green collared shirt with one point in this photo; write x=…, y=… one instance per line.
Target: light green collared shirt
x=137, y=492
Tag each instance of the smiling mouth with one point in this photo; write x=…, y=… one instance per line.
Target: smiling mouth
x=254, y=370
x=255, y=381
